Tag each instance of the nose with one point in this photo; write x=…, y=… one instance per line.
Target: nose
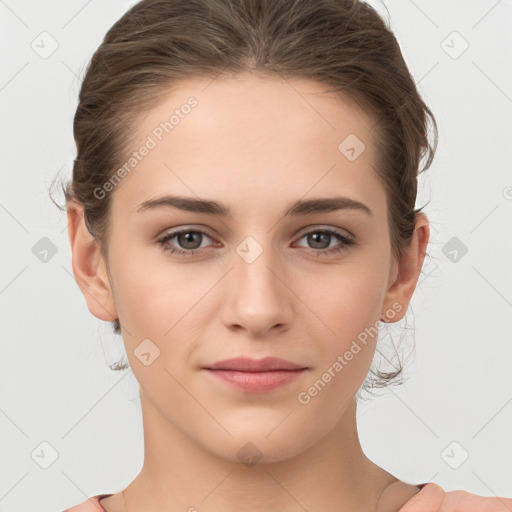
x=258, y=298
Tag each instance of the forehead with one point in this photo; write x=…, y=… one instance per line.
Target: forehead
x=264, y=105
x=250, y=134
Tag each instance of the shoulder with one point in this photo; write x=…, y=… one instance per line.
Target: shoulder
x=432, y=498
x=89, y=505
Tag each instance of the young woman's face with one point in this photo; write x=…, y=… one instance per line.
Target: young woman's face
x=253, y=280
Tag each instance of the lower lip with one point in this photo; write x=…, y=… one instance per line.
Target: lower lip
x=257, y=382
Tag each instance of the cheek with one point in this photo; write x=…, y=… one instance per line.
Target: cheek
x=157, y=304
x=345, y=345
x=165, y=303
x=346, y=306
x=153, y=296
x=349, y=298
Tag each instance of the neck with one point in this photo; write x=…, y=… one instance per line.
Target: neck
x=331, y=475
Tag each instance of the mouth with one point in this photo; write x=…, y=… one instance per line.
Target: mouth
x=256, y=376
x=245, y=364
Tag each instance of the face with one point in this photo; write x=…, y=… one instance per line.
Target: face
x=192, y=288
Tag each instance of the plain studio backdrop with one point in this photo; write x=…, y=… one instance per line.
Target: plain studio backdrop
x=71, y=428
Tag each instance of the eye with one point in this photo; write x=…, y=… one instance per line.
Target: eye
x=190, y=240
x=321, y=238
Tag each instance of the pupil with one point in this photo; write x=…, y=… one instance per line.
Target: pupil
x=317, y=237
x=189, y=238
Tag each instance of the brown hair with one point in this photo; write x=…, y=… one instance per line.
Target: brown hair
x=343, y=44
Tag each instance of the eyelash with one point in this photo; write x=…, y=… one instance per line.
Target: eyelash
x=346, y=242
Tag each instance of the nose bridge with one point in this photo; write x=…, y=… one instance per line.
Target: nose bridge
x=255, y=263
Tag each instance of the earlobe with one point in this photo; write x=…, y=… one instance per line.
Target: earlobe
x=409, y=269
x=89, y=266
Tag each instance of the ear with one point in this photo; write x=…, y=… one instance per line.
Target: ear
x=89, y=267
x=407, y=272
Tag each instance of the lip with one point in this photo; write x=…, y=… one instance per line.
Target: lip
x=256, y=375
x=245, y=364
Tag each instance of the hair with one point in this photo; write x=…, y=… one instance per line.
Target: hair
x=342, y=44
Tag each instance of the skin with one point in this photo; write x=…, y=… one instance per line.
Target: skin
x=256, y=144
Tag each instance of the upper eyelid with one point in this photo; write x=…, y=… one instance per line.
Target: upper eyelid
x=305, y=230
x=322, y=227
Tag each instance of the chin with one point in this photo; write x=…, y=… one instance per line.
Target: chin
x=260, y=445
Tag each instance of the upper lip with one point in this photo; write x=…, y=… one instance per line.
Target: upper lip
x=245, y=364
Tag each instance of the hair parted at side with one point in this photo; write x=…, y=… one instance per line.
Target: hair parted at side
x=343, y=44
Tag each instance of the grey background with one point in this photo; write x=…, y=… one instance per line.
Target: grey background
x=56, y=386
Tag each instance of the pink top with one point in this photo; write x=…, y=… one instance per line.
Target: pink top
x=431, y=497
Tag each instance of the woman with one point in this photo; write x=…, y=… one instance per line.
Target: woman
x=242, y=210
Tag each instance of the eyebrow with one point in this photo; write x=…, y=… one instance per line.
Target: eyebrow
x=210, y=207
